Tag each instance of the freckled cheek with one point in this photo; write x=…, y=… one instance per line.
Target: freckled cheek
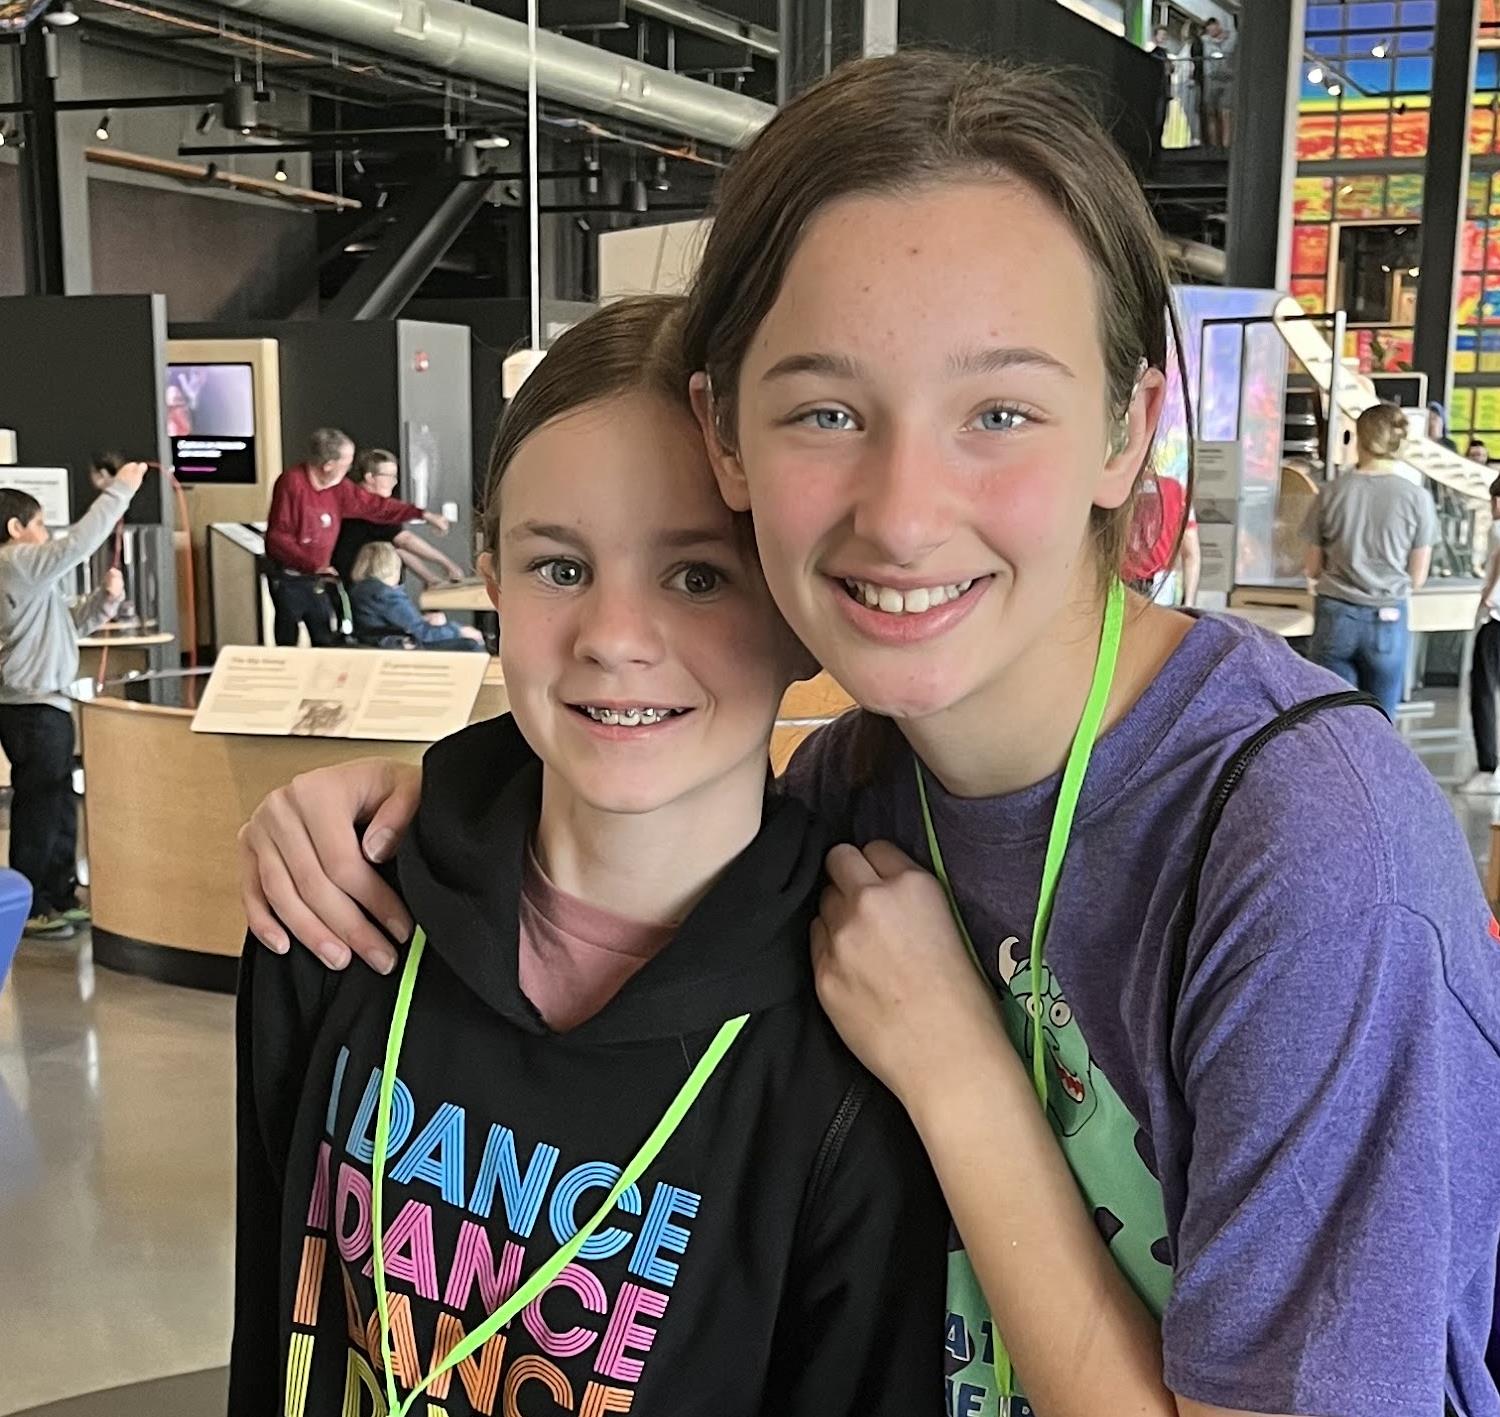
x=1026, y=510
x=796, y=508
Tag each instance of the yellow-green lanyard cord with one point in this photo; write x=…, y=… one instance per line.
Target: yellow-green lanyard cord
x=537, y=1284
x=1057, y=848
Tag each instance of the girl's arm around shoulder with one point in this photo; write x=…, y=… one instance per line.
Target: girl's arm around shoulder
x=861, y=1328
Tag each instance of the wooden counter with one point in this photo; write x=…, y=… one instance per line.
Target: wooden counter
x=456, y=595
x=165, y=805
x=1438, y=606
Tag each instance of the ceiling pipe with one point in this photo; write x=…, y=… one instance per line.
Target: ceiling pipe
x=470, y=43
x=686, y=15
x=1196, y=257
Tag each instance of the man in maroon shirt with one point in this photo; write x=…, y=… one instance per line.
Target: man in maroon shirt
x=308, y=506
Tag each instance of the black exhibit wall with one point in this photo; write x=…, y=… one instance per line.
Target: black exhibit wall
x=1121, y=78
x=351, y=375
x=83, y=374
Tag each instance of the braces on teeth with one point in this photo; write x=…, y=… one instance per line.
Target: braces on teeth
x=630, y=718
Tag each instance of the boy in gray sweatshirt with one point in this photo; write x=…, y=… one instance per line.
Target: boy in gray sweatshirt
x=38, y=663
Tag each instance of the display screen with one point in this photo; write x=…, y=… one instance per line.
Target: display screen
x=211, y=422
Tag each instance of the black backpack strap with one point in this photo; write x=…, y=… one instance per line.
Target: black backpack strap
x=1229, y=779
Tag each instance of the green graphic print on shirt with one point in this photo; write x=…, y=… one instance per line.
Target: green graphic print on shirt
x=1098, y=1136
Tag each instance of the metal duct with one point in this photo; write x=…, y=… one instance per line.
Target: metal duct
x=1196, y=258
x=471, y=43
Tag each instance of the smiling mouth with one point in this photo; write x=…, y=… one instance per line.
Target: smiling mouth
x=1072, y=1083
x=630, y=716
x=889, y=600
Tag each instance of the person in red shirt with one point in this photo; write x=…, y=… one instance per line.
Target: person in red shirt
x=1162, y=518
x=308, y=506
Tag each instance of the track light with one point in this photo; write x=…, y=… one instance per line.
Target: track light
x=1315, y=74
x=281, y=170
x=1334, y=90
x=4, y=134
x=661, y=182
x=591, y=176
x=1379, y=52
x=492, y=140
x=358, y=165
x=205, y=120
x=102, y=131
x=61, y=15
x=636, y=199
x=240, y=107
x=382, y=199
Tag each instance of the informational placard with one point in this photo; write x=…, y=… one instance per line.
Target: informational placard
x=49, y=485
x=405, y=696
x=1216, y=472
x=1216, y=545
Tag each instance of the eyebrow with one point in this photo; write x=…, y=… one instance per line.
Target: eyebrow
x=976, y=361
x=835, y=366
x=568, y=536
x=547, y=531
x=1003, y=357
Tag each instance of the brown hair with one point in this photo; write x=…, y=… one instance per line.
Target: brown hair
x=889, y=124
x=368, y=460
x=631, y=345
x=1381, y=431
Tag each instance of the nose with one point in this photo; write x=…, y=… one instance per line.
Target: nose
x=617, y=630
x=901, y=505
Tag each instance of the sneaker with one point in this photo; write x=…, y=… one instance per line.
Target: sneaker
x=49, y=927
x=76, y=915
x=1482, y=784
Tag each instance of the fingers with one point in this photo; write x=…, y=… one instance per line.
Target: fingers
x=313, y=886
x=257, y=910
x=888, y=860
x=268, y=890
x=393, y=809
x=848, y=868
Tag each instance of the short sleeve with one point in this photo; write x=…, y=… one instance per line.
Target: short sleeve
x=1323, y=1078
x=1427, y=523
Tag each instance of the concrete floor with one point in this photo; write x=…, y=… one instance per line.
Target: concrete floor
x=116, y=1173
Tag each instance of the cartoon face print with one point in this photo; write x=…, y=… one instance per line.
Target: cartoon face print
x=1072, y=1096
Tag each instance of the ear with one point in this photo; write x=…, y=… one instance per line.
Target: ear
x=13, y=528
x=1127, y=453
x=726, y=464
x=491, y=576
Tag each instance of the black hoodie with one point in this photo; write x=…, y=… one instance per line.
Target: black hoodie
x=784, y=1254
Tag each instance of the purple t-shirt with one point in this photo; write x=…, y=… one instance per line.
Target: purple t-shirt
x=1329, y=1166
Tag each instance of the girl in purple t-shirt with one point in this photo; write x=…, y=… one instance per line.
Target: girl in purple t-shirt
x=931, y=329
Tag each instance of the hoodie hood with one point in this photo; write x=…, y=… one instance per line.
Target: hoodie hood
x=743, y=948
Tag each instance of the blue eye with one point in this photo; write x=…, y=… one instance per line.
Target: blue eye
x=1001, y=420
x=697, y=580
x=828, y=420
x=561, y=571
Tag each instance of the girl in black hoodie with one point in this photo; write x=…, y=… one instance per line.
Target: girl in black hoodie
x=613, y=917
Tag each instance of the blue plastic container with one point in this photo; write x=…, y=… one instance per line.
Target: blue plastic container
x=15, y=906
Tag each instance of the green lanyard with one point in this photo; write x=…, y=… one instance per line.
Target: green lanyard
x=537, y=1284
x=1057, y=848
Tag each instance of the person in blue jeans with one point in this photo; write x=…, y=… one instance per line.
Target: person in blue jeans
x=386, y=618
x=1370, y=536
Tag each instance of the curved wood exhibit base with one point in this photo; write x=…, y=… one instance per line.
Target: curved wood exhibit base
x=165, y=805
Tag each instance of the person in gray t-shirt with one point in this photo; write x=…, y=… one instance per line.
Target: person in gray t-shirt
x=1370, y=537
